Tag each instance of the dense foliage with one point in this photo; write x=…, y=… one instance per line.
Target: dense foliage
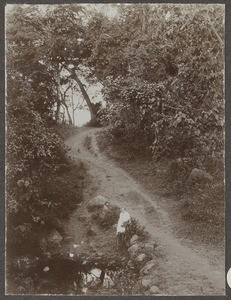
x=43, y=185
x=163, y=72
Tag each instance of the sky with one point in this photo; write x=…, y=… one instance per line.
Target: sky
x=109, y=9
x=82, y=116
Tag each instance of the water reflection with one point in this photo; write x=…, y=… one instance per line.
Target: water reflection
x=97, y=276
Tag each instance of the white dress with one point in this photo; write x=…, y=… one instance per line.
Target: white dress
x=124, y=217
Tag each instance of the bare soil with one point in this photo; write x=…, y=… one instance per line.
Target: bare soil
x=186, y=268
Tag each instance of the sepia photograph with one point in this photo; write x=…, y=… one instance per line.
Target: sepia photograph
x=115, y=149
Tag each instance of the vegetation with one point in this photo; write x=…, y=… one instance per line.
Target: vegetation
x=43, y=184
x=164, y=86
x=134, y=228
x=111, y=218
x=162, y=71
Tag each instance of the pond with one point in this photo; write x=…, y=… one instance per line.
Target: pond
x=59, y=275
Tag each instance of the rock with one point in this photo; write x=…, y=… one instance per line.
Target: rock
x=149, y=267
x=84, y=290
x=46, y=269
x=149, y=247
x=130, y=263
x=141, y=257
x=133, y=249
x=133, y=239
x=146, y=282
x=199, y=176
x=96, y=202
x=54, y=237
x=154, y=290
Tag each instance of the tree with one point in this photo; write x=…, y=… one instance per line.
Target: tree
x=162, y=68
x=74, y=106
x=31, y=39
x=84, y=93
x=36, y=155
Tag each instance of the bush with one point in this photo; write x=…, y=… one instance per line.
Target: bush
x=133, y=227
x=167, y=95
x=105, y=219
x=111, y=217
x=93, y=123
x=87, y=143
x=40, y=179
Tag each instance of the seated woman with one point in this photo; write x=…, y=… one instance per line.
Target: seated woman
x=124, y=217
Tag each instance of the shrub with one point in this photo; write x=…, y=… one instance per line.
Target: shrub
x=110, y=218
x=87, y=143
x=167, y=95
x=133, y=227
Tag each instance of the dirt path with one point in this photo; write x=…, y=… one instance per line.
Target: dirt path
x=184, y=270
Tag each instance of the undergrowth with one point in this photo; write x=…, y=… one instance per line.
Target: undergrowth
x=87, y=143
x=57, y=196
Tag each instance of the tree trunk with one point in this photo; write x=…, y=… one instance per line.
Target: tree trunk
x=58, y=105
x=69, y=116
x=57, y=79
x=85, y=95
x=102, y=276
x=72, y=106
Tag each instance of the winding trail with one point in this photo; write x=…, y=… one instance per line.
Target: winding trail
x=184, y=270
